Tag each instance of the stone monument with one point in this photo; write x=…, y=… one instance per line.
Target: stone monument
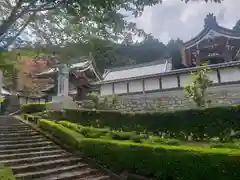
x=62, y=100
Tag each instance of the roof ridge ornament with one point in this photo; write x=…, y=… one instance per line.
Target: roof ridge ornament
x=210, y=21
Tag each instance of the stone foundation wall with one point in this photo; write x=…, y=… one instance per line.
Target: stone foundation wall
x=175, y=99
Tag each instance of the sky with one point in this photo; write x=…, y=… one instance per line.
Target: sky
x=175, y=19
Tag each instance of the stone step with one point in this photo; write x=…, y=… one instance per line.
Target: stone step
x=27, y=149
x=30, y=154
x=48, y=172
x=22, y=161
x=82, y=174
x=33, y=167
x=95, y=177
x=20, y=138
x=21, y=145
x=11, y=125
x=18, y=134
x=22, y=141
x=24, y=130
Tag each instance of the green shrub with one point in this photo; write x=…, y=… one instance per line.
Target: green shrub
x=160, y=162
x=118, y=135
x=154, y=161
x=67, y=136
x=6, y=173
x=88, y=132
x=31, y=118
x=160, y=140
x=137, y=138
x=225, y=145
x=198, y=123
x=33, y=108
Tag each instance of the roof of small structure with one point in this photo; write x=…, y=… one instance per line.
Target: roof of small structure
x=5, y=92
x=212, y=29
x=174, y=72
x=77, y=67
x=136, y=71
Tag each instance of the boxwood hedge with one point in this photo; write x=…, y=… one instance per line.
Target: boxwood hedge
x=154, y=161
x=210, y=122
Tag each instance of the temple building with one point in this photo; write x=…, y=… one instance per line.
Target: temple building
x=80, y=79
x=214, y=44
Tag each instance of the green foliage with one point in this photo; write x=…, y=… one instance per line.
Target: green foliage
x=32, y=118
x=118, y=135
x=98, y=102
x=33, y=108
x=88, y=132
x=196, y=90
x=198, y=123
x=67, y=136
x=6, y=173
x=153, y=161
x=2, y=99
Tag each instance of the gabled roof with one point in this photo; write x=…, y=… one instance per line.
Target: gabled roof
x=212, y=29
x=136, y=71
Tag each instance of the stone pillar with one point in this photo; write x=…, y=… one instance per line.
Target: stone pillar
x=63, y=79
x=1, y=82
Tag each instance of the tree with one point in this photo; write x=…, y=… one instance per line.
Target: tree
x=196, y=90
x=174, y=50
x=44, y=16
x=102, y=14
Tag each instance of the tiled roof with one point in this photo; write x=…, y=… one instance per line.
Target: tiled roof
x=80, y=66
x=140, y=70
x=212, y=25
x=173, y=72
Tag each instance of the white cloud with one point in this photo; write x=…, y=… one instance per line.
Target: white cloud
x=174, y=19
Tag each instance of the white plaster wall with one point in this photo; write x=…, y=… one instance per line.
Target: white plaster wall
x=135, y=86
x=230, y=74
x=169, y=82
x=185, y=79
x=213, y=76
x=120, y=87
x=151, y=84
x=106, y=89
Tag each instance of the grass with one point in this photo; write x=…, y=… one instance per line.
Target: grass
x=6, y=173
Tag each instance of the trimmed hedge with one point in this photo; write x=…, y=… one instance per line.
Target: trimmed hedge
x=210, y=122
x=31, y=118
x=154, y=161
x=33, y=108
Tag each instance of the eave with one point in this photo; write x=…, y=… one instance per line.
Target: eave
x=214, y=31
x=173, y=72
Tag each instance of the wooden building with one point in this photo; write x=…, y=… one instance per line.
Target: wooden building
x=82, y=76
x=214, y=44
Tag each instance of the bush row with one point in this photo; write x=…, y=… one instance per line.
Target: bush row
x=210, y=122
x=33, y=108
x=91, y=132
x=154, y=161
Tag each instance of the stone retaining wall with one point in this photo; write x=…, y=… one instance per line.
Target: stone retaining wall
x=176, y=99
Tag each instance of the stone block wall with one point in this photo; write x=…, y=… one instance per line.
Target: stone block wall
x=175, y=99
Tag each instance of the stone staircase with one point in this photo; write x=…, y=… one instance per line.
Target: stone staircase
x=34, y=157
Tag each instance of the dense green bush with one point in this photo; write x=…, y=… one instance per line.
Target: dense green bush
x=33, y=108
x=198, y=123
x=31, y=118
x=88, y=132
x=66, y=135
x=6, y=173
x=154, y=161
